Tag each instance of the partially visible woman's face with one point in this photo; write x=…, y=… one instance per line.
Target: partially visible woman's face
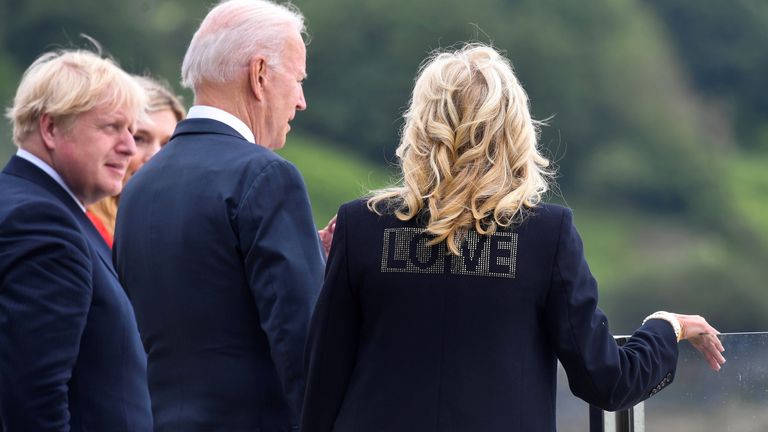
x=150, y=136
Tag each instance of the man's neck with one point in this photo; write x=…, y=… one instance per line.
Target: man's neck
x=232, y=98
x=218, y=114
x=223, y=98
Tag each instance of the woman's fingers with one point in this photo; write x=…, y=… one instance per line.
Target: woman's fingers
x=710, y=347
x=704, y=338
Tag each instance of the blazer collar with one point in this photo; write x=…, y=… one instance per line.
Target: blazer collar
x=204, y=126
x=19, y=167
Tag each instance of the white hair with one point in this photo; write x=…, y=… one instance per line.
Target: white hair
x=233, y=33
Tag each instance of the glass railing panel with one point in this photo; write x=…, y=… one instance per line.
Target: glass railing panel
x=735, y=399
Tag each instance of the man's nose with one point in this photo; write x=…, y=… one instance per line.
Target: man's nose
x=302, y=105
x=127, y=144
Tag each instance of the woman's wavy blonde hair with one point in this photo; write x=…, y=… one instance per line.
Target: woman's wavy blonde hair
x=468, y=151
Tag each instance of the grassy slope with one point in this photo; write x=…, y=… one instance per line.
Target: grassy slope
x=747, y=182
x=620, y=245
x=332, y=176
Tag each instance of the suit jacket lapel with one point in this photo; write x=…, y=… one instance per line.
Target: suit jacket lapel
x=22, y=168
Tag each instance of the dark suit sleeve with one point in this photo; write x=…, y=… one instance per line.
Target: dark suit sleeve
x=45, y=294
x=333, y=339
x=599, y=371
x=284, y=267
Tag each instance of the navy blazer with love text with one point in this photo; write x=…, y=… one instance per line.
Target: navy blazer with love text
x=406, y=337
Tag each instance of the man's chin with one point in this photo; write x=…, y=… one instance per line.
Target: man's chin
x=280, y=144
x=115, y=188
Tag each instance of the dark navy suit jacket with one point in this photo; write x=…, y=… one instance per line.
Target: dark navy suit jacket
x=216, y=247
x=407, y=338
x=70, y=353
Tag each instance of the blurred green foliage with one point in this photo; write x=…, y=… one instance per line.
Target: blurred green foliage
x=658, y=118
x=332, y=177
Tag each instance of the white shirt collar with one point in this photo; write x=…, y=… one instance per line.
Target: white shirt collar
x=213, y=113
x=36, y=161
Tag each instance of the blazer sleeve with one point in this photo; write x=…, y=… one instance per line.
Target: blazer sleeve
x=284, y=264
x=599, y=371
x=333, y=339
x=45, y=295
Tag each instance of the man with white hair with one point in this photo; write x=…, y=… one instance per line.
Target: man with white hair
x=70, y=354
x=215, y=242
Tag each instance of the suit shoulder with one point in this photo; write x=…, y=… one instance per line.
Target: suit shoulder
x=357, y=209
x=31, y=202
x=41, y=220
x=551, y=210
x=549, y=214
x=260, y=159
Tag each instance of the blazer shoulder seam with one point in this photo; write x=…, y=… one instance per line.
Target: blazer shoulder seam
x=268, y=166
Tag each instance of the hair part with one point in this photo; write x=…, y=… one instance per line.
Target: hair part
x=66, y=83
x=468, y=152
x=232, y=34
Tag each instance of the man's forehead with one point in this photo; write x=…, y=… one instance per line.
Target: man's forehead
x=303, y=67
x=297, y=59
x=108, y=112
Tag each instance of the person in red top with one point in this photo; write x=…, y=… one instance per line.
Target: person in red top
x=105, y=233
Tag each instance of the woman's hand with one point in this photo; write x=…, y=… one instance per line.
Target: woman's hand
x=703, y=337
x=326, y=235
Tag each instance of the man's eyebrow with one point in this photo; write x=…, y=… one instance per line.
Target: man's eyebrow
x=111, y=117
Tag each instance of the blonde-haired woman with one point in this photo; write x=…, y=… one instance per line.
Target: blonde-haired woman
x=164, y=110
x=449, y=298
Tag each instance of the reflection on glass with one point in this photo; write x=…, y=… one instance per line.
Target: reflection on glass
x=733, y=400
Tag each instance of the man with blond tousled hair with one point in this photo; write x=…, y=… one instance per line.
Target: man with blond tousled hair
x=215, y=242
x=70, y=353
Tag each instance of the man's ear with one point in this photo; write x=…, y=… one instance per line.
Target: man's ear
x=48, y=130
x=257, y=76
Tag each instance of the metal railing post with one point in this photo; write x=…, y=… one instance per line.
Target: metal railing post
x=629, y=420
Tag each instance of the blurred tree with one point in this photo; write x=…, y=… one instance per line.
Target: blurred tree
x=146, y=36
x=723, y=46
x=363, y=57
x=602, y=68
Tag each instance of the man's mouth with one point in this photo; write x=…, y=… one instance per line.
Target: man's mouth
x=118, y=167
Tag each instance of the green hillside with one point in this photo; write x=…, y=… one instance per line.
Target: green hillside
x=332, y=176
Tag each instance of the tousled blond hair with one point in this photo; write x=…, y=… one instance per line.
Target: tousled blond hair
x=468, y=151
x=67, y=83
